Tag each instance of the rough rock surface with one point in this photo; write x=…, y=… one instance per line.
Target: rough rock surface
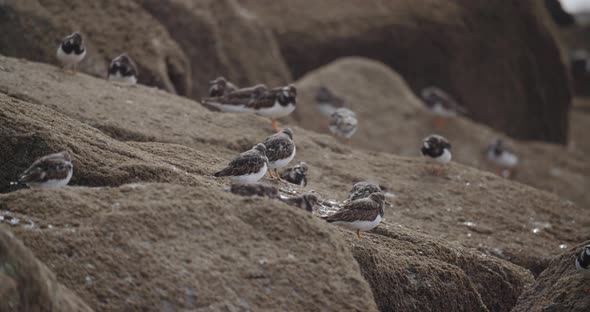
x=393, y=120
x=32, y=29
x=221, y=38
x=27, y=285
x=499, y=59
x=404, y=267
x=559, y=288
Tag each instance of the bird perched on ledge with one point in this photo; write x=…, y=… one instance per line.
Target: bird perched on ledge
x=51, y=171
x=220, y=87
x=441, y=104
x=273, y=103
x=438, y=149
x=360, y=215
x=296, y=175
x=280, y=150
x=247, y=167
x=123, y=69
x=71, y=51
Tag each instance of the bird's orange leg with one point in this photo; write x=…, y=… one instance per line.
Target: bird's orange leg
x=275, y=125
x=358, y=233
x=64, y=68
x=439, y=122
x=74, y=69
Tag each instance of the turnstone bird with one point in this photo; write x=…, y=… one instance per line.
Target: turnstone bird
x=220, y=87
x=583, y=261
x=241, y=100
x=327, y=102
x=51, y=171
x=362, y=190
x=280, y=150
x=123, y=69
x=502, y=157
x=254, y=189
x=276, y=103
x=306, y=201
x=343, y=123
x=441, y=104
x=71, y=51
x=247, y=167
x=438, y=149
x=296, y=175
x=361, y=215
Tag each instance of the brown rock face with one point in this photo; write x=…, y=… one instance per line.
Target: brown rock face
x=498, y=59
x=221, y=38
x=559, y=288
x=163, y=247
x=33, y=28
x=27, y=285
x=404, y=267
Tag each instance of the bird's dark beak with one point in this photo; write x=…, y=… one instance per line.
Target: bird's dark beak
x=388, y=204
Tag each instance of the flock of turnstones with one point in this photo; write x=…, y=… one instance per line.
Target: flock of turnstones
x=362, y=211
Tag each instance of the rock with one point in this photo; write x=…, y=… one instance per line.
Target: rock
x=469, y=207
x=393, y=120
x=163, y=247
x=32, y=30
x=500, y=61
x=559, y=288
x=221, y=38
x=27, y=285
x=404, y=267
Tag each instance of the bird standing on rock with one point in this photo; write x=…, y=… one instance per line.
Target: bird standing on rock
x=360, y=215
x=502, y=157
x=220, y=87
x=247, y=167
x=296, y=175
x=273, y=103
x=343, y=123
x=71, y=51
x=441, y=105
x=327, y=102
x=280, y=150
x=123, y=69
x=363, y=189
x=438, y=149
x=51, y=171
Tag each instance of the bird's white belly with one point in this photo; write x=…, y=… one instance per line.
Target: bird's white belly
x=117, y=77
x=277, y=110
x=53, y=183
x=69, y=59
x=445, y=157
x=326, y=109
x=440, y=110
x=251, y=178
x=506, y=159
x=360, y=225
x=282, y=162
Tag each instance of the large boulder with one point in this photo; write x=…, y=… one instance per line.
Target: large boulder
x=163, y=247
x=559, y=288
x=32, y=29
x=499, y=59
x=221, y=38
x=27, y=285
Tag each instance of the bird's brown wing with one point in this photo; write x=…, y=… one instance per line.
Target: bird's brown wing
x=246, y=163
x=278, y=147
x=359, y=210
x=45, y=169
